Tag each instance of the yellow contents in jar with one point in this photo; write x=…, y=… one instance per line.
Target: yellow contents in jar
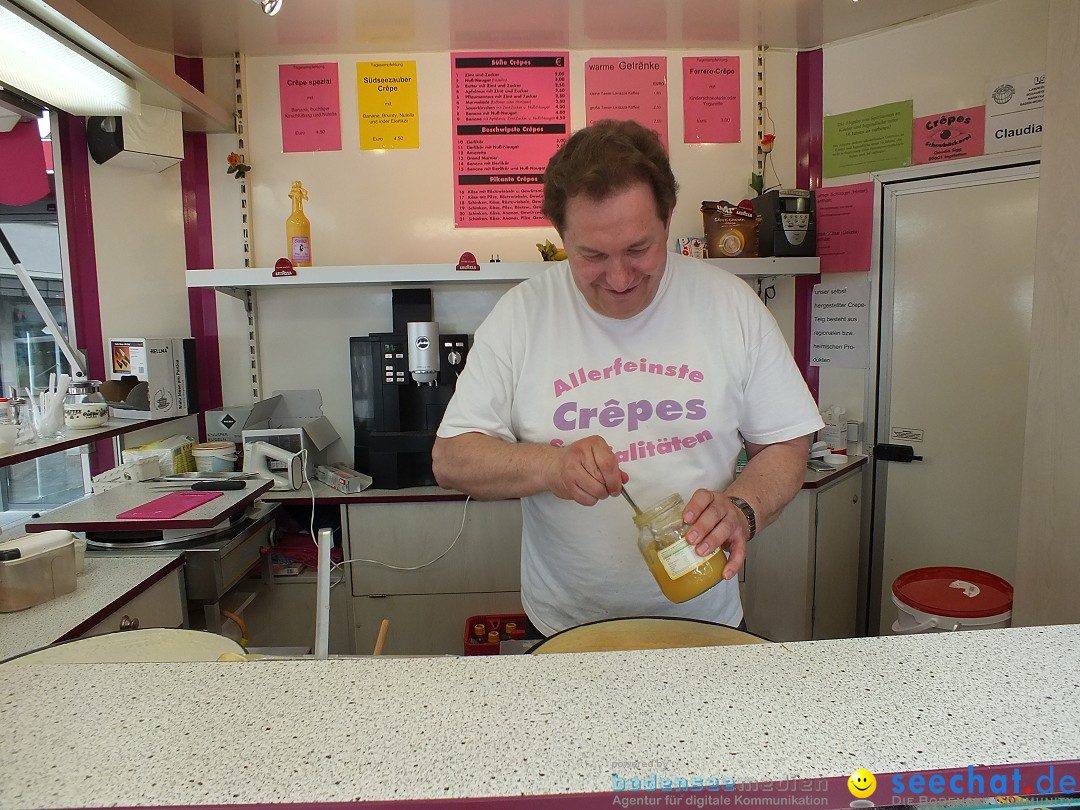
x=690, y=584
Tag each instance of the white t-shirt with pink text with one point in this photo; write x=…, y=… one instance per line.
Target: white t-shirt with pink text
x=673, y=390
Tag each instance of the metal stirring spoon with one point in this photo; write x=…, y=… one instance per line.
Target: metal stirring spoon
x=630, y=501
x=637, y=510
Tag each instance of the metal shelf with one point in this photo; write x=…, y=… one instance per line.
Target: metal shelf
x=228, y=280
x=77, y=438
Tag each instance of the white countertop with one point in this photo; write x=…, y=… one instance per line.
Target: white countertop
x=324, y=493
x=104, y=581
x=442, y=728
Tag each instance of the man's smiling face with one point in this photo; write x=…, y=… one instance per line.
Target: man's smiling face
x=617, y=248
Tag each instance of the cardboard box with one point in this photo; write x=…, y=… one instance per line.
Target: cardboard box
x=292, y=420
x=343, y=479
x=691, y=246
x=173, y=454
x=166, y=366
x=227, y=424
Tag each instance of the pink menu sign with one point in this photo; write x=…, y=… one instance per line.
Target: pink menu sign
x=628, y=89
x=711, y=99
x=511, y=114
x=845, y=227
x=948, y=135
x=310, y=107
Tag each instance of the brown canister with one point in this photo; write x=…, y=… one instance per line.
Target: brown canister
x=728, y=233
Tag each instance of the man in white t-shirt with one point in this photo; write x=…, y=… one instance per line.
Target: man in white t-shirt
x=625, y=364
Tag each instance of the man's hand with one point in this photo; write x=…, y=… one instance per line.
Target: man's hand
x=585, y=471
x=715, y=522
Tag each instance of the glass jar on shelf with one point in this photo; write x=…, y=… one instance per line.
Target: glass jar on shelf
x=673, y=562
x=84, y=406
x=19, y=414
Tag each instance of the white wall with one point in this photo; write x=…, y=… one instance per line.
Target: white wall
x=1048, y=558
x=397, y=207
x=139, y=239
x=942, y=63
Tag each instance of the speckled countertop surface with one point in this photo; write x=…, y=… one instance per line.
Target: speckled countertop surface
x=103, y=581
x=448, y=727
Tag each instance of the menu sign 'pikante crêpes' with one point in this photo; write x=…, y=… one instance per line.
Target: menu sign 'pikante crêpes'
x=511, y=114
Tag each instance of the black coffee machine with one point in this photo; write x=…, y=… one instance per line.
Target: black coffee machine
x=402, y=382
x=788, y=225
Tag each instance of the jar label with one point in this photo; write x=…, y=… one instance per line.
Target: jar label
x=680, y=558
x=86, y=410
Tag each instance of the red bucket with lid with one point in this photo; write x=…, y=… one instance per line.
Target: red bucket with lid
x=943, y=599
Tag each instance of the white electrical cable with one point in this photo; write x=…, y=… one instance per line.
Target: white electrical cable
x=311, y=524
x=464, y=512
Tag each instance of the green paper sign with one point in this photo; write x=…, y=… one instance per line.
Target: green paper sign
x=867, y=140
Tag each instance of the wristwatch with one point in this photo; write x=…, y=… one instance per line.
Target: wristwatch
x=748, y=511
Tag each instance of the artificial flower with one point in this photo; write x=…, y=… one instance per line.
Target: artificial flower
x=767, y=143
x=236, y=166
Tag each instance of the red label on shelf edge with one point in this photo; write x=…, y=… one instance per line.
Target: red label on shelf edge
x=283, y=267
x=467, y=262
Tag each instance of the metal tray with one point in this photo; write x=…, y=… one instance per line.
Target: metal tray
x=207, y=476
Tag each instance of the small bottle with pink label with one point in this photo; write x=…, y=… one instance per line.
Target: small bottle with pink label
x=298, y=228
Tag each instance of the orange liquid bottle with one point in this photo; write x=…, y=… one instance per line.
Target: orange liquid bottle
x=298, y=228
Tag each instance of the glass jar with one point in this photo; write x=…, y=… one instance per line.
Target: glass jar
x=20, y=417
x=84, y=406
x=676, y=566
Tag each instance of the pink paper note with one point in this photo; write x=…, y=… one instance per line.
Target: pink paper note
x=511, y=114
x=845, y=227
x=631, y=88
x=711, y=99
x=948, y=135
x=22, y=165
x=310, y=107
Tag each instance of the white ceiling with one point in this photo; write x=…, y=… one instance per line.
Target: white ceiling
x=221, y=27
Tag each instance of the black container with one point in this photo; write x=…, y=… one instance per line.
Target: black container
x=787, y=224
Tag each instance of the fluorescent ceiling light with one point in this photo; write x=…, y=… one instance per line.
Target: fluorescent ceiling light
x=40, y=64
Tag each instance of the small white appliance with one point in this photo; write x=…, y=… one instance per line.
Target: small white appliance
x=151, y=141
x=270, y=461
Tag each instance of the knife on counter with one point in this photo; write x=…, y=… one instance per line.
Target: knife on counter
x=202, y=486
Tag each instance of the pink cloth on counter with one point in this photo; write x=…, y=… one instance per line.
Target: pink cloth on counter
x=23, y=179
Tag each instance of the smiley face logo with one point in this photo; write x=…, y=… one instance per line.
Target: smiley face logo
x=861, y=783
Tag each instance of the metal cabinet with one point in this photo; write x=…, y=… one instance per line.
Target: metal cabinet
x=160, y=605
x=428, y=600
x=800, y=580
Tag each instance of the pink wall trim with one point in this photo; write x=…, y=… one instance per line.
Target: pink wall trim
x=199, y=246
x=82, y=255
x=808, y=124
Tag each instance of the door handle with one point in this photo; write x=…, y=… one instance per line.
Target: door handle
x=895, y=452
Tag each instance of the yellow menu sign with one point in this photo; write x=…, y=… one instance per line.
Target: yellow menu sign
x=387, y=104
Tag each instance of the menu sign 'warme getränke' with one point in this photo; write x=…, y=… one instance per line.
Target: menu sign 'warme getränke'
x=511, y=114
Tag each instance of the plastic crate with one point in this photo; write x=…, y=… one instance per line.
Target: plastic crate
x=492, y=622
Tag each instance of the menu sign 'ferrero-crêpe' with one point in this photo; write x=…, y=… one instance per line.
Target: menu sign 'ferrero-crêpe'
x=511, y=114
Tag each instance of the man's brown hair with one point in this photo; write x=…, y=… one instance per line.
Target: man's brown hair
x=603, y=159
